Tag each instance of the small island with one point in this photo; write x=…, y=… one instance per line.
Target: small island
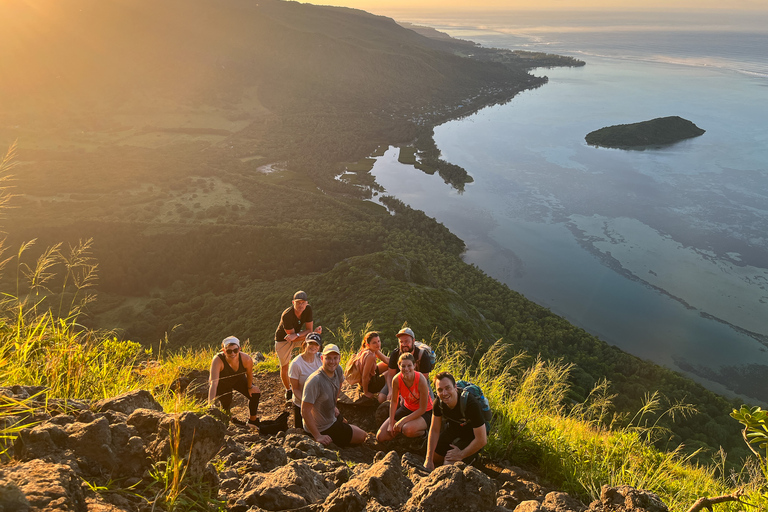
x=656, y=132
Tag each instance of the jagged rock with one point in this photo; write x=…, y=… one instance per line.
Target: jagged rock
x=345, y=499
x=128, y=402
x=41, y=487
x=291, y=486
x=414, y=466
x=145, y=421
x=454, y=487
x=562, y=502
x=626, y=498
x=269, y=457
x=41, y=442
x=199, y=439
x=91, y=445
x=529, y=506
x=383, y=481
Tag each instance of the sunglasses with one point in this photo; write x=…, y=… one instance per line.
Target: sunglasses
x=232, y=351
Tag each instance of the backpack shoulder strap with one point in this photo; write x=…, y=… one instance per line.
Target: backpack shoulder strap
x=463, y=402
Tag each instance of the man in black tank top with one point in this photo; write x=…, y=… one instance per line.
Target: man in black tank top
x=232, y=370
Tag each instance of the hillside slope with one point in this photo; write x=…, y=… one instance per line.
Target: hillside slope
x=151, y=127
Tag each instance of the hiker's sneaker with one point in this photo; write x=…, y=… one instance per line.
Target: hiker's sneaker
x=288, y=395
x=253, y=423
x=238, y=422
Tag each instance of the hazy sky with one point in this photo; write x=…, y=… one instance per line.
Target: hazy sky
x=385, y=5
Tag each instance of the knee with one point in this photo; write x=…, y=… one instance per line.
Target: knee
x=411, y=430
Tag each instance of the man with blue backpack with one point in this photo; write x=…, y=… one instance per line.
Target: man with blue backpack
x=467, y=414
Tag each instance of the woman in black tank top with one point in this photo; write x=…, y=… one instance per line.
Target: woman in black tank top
x=232, y=370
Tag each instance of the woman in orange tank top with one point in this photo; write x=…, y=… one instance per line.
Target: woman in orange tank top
x=414, y=416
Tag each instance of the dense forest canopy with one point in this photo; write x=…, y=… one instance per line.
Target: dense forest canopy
x=150, y=127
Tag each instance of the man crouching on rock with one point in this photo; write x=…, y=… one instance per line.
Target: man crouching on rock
x=465, y=435
x=231, y=370
x=318, y=404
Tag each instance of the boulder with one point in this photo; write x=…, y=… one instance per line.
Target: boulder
x=91, y=445
x=196, y=439
x=291, y=486
x=453, y=487
x=529, y=506
x=562, y=502
x=269, y=457
x=128, y=402
x=626, y=499
x=384, y=481
x=41, y=487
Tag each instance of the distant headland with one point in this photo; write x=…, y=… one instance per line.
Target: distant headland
x=656, y=132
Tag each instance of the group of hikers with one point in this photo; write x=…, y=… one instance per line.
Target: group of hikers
x=313, y=379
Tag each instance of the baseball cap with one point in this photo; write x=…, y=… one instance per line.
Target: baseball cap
x=314, y=338
x=407, y=331
x=300, y=295
x=331, y=348
x=231, y=340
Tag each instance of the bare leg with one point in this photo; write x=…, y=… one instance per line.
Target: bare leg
x=284, y=377
x=383, y=434
x=358, y=435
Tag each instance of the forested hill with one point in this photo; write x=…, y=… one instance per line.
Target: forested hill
x=293, y=72
x=197, y=143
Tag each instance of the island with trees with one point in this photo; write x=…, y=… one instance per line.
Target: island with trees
x=656, y=132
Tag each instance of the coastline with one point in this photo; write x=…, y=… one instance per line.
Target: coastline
x=616, y=266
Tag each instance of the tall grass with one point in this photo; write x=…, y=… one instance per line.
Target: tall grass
x=576, y=447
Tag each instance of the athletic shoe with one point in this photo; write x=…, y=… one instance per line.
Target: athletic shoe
x=288, y=395
x=238, y=422
x=254, y=423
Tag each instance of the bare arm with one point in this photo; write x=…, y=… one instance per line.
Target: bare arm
x=393, y=405
x=381, y=356
x=296, y=387
x=309, y=422
x=248, y=365
x=292, y=335
x=213, y=379
x=432, y=439
x=365, y=378
x=390, y=374
x=480, y=440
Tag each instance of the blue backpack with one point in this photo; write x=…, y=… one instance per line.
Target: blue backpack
x=467, y=388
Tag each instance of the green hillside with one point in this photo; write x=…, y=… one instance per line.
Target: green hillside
x=148, y=127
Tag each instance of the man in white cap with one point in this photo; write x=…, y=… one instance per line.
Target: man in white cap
x=423, y=364
x=232, y=370
x=295, y=323
x=318, y=404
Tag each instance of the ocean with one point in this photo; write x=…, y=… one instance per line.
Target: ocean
x=662, y=252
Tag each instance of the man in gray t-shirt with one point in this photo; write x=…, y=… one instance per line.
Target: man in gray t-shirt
x=318, y=404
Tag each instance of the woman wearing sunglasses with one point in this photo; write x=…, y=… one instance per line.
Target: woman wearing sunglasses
x=232, y=370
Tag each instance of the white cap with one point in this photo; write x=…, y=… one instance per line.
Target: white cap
x=331, y=348
x=230, y=340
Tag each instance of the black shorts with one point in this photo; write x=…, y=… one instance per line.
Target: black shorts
x=340, y=432
x=376, y=383
x=402, y=411
x=458, y=436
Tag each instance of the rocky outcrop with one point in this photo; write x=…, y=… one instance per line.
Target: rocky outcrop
x=61, y=459
x=627, y=499
x=458, y=486
x=42, y=487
